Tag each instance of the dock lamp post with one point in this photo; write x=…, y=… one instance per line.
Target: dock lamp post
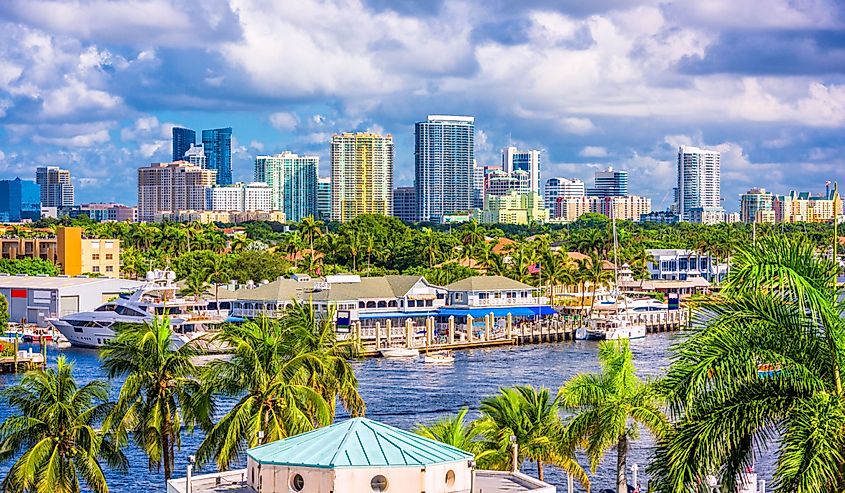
x=260, y=436
x=635, y=469
x=191, y=461
x=514, y=458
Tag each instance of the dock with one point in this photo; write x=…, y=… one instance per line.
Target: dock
x=22, y=361
x=487, y=332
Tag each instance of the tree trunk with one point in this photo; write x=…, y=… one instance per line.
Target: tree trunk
x=165, y=450
x=540, y=474
x=622, y=464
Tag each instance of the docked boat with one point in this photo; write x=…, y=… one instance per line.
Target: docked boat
x=399, y=352
x=611, y=328
x=439, y=357
x=158, y=297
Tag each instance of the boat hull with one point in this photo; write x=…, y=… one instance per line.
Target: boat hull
x=399, y=353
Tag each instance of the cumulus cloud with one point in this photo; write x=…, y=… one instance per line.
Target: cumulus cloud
x=593, y=151
x=284, y=121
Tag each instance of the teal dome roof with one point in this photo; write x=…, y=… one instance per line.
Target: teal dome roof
x=357, y=442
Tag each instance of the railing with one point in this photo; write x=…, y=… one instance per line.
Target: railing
x=208, y=483
x=504, y=301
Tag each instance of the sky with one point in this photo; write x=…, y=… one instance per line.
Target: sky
x=96, y=85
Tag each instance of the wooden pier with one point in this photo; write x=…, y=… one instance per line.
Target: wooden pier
x=14, y=360
x=489, y=332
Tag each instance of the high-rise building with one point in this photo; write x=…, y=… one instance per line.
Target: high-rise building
x=240, y=197
x=755, y=206
x=627, y=208
x=19, y=199
x=699, y=181
x=196, y=156
x=609, y=183
x=500, y=183
x=293, y=181
x=807, y=207
x=324, y=198
x=513, y=208
x=56, y=188
x=362, y=175
x=101, y=212
x=561, y=187
x=183, y=139
x=443, y=159
x=477, y=186
x=528, y=161
x=405, y=204
x=170, y=187
x=217, y=144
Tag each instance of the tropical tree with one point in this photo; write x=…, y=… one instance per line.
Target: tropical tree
x=160, y=393
x=271, y=381
x=457, y=432
x=430, y=245
x=530, y=416
x=310, y=229
x=55, y=430
x=761, y=368
x=610, y=407
x=196, y=285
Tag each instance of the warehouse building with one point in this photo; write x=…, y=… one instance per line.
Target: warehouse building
x=34, y=299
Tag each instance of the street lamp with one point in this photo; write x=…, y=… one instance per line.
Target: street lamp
x=515, y=451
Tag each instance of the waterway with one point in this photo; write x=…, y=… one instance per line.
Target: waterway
x=403, y=393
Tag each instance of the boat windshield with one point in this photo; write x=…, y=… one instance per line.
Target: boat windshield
x=125, y=310
x=109, y=307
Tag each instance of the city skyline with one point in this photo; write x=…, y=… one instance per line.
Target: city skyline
x=765, y=87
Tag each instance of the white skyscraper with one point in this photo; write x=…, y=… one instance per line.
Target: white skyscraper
x=528, y=161
x=196, y=156
x=561, y=187
x=239, y=197
x=444, y=154
x=699, y=180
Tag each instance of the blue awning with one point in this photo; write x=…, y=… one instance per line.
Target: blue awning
x=377, y=315
x=516, y=311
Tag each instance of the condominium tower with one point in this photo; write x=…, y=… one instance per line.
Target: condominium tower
x=56, y=188
x=562, y=187
x=217, y=145
x=609, y=183
x=698, y=181
x=443, y=158
x=324, y=198
x=293, y=181
x=196, y=156
x=755, y=206
x=19, y=199
x=529, y=161
x=405, y=204
x=362, y=175
x=183, y=139
x=240, y=197
x=170, y=187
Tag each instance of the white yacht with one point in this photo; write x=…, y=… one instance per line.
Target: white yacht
x=611, y=328
x=189, y=318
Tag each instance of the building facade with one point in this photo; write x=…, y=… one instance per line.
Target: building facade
x=443, y=160
x=513, y=208
x=405, y=204
x=324, y=198
x=182, y=140
x=628, y=208
x=755, y=206
x=109, y=212
x=477, y=186
x=807, y=207
x=528, y=161
x=171, y=187
x=609, y=183
x=293, y=181
x=56, y=187
x=699, y=181
x=561, y=187
x=240, y=197
x=19, y=200
x=196, y=156
x=217, y=145
x=362, y=175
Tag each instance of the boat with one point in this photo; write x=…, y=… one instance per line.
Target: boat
x=611, y=328
x=399, y=352
x=189, y=319
x=439, y=357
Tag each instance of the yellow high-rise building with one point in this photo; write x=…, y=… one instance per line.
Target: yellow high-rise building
x=362, y=175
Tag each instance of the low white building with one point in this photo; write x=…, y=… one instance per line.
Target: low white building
x=680, y=264
x=239, y=197
x=359, y=455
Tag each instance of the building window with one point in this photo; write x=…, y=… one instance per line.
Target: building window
x=96, y=268
x=379, y=483
x=95, y=256
x=297, y=483
x=109, y=268
x=109, y=256
x=450, y=478
x=95, y=244
x=109, y=244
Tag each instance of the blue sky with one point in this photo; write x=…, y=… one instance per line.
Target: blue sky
x=96, y=85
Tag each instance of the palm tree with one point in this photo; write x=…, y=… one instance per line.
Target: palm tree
x=270, y=379
x=610, y=407
x=780, y=308
x=55, y=431
x=218, y=273
x=313, y=334
x=472, y=236
x=159, y=394
x=196, y=285
x=310, y=229
x=431, y=247
x=531, y=417
x=455, y=431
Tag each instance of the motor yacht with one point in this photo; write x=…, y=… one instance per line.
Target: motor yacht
x=611, y=328
x=157, y=297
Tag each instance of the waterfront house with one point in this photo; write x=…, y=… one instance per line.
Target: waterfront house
x=479, y=296
x=681, y=264
x=359, y=455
